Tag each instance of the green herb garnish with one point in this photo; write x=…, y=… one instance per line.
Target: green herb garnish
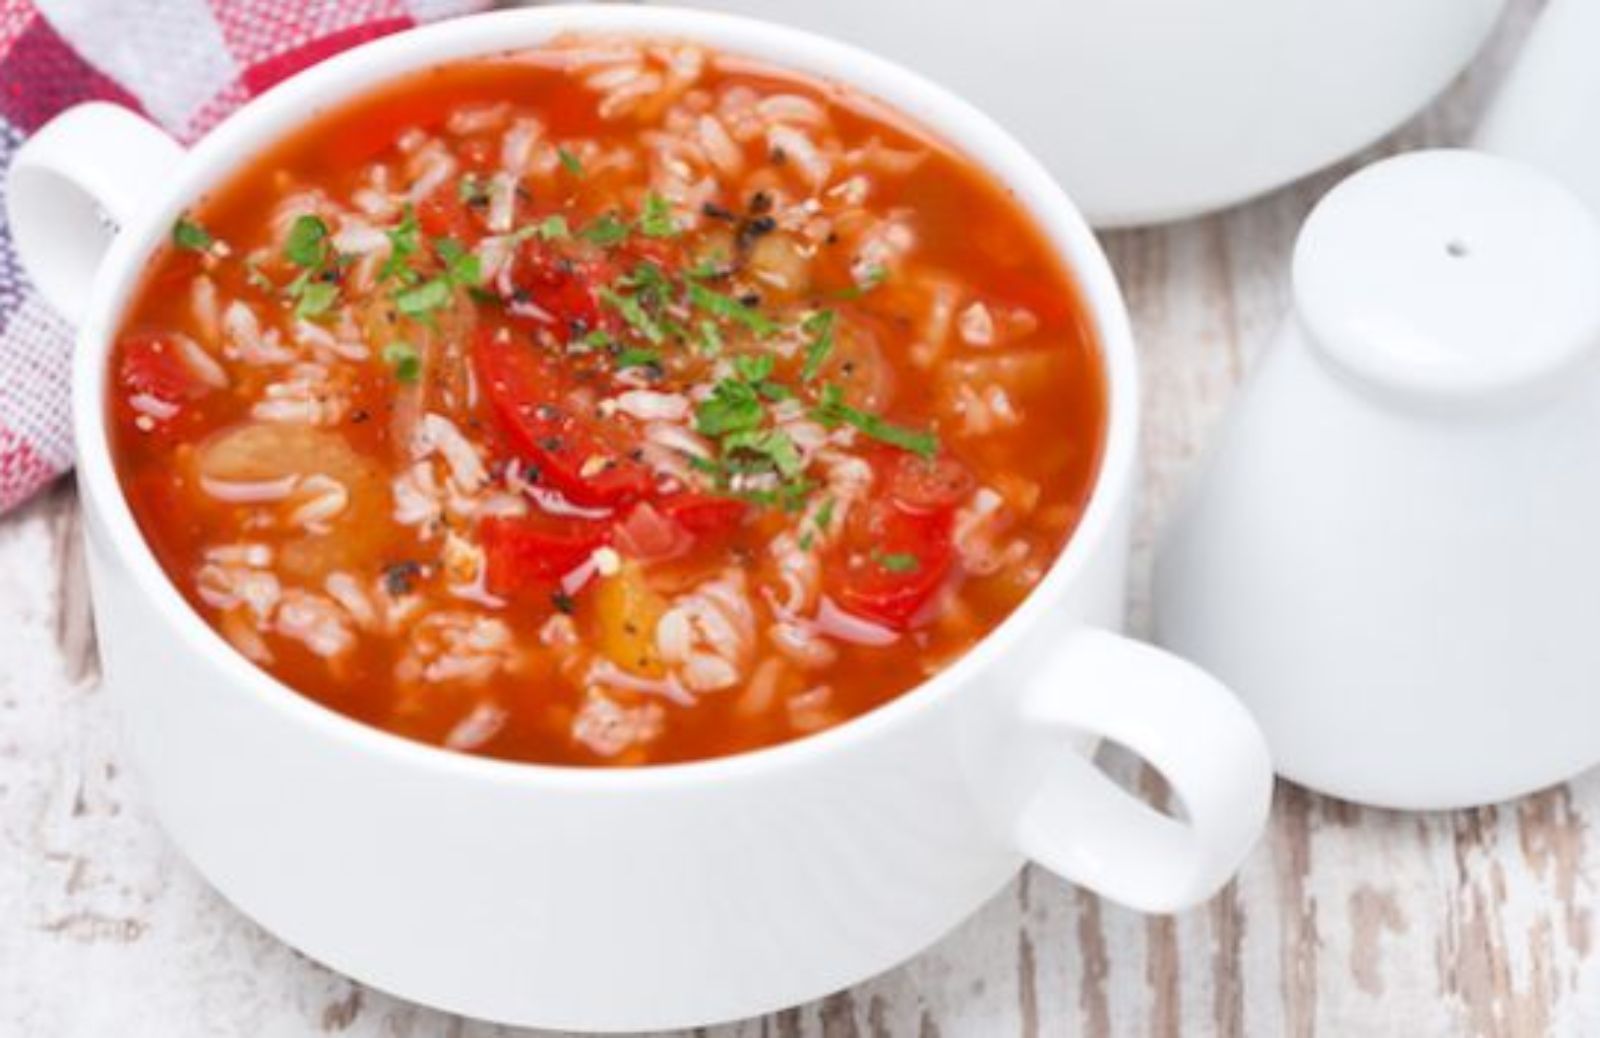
x=189, y=234
x=820, y=327
x=307, y=245
x=421, y=301
x=404, y=359
x=833, y=411
x=732, y=407
x=605, y=230
x=553, y=228
x=569, y=162
x=634, y=357
x=824, y=517
x=772, y=447
x=719, y=305
x=898, y=562
x=471, y=191
x=461, y=267
x=255, y=279
x=634, y=313
x=315, y=298
x=404, y=241
x=656, y=221
x=710, y=338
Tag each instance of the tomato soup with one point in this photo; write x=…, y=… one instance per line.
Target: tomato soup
x=612, y=403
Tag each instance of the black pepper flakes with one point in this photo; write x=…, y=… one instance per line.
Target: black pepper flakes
x=401, y=577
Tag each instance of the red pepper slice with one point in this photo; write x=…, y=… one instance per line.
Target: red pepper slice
x=896, y=554
x=672, y=526
x=444, y=215
x=575, y=455
x=893, y=562
x=927, y=484
x=704, y=515
x=550, y=290
x=534, y=552
x=150, y=365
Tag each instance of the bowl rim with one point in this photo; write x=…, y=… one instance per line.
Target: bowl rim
x=292, y=102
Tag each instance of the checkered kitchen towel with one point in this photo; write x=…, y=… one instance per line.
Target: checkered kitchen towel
x=183, y=63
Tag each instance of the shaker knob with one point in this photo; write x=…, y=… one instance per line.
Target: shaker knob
x=1450, y=276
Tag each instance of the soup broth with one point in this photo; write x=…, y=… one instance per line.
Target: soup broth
x=611, y=403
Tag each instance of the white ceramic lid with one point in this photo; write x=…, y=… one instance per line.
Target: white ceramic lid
x=1450, y=274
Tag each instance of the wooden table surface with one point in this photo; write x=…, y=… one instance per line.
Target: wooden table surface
x=1345, y=921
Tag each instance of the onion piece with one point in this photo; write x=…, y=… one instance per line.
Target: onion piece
x=836, y=623
x=604, y=672
x=249, y=492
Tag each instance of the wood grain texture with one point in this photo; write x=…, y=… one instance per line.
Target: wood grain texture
x=1345, y=921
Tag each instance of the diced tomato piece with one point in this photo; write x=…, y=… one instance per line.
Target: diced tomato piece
x=582, y=459
x=151, y=364
x=478, y=154
x=534, y=552
x=444, y=215
x=894, y=561
x=548, y=289
x=673, y=526
x=927, y=484
x=704, y=515
x=646, y=534
x=151, y=368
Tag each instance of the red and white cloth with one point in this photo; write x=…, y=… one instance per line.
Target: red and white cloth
x=184, y=64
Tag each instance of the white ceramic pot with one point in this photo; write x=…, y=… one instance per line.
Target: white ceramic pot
x=1159, y=109
x=668, y=896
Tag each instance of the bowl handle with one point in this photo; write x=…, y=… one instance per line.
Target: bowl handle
x=88, y=171
x=1082, y=826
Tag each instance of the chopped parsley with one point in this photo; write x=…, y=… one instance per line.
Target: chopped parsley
x=255, y=279
x=633, y=311
x=832, y=411
x=764, y=449
x=569, y=162
x=820, y=327
x=605, y=230
x=424, y=299
x=732, y=407
x=189, y=234
x=307, y=245
x=898, y=562
x=824, y=517
x=404, y=241
x=552, y=228
x=710, y=338
x=314, y=298
x=404, y=359
x=462, y=269
x=471, y=191
x=655, y=221
x=460, y=266
x=637, y=358
x=719, y=305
